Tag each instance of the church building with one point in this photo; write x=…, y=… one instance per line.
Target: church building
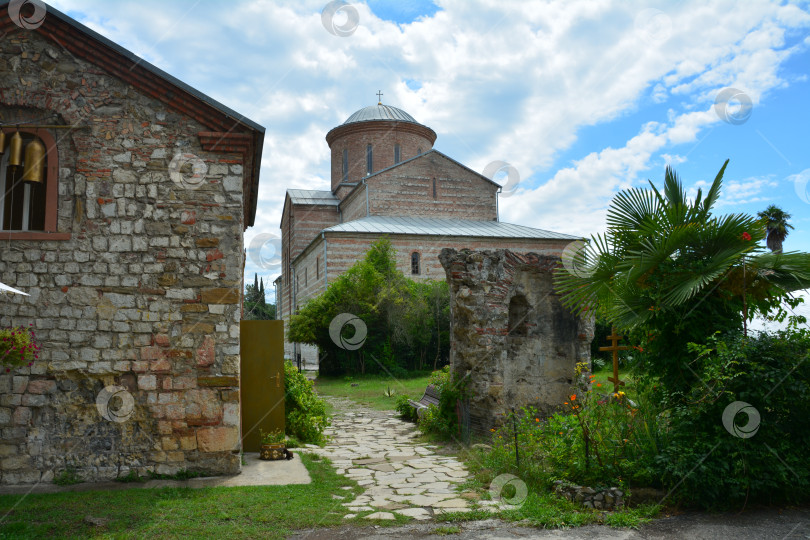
x=388, y=180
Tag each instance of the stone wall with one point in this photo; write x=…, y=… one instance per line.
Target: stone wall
x=141, y=293
x=511, y=338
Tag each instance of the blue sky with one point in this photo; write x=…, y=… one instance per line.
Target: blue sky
x=582, y=98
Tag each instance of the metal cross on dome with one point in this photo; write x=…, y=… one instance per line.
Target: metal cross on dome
x=379, y=97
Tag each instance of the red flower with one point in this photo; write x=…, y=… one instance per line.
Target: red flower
x=746, y=236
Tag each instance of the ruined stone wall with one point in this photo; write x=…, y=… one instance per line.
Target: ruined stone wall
x=140, y=295
x=511, y=338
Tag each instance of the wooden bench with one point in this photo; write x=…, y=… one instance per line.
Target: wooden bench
x=431, y=397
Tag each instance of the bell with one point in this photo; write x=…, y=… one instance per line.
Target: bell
x=34, y=162
x=2, y=141
x=15, y=150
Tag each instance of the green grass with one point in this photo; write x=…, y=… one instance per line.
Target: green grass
x=371, y=389
x=217, y=512
x=444, y=531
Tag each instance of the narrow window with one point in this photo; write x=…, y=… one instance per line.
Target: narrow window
x=345, y=165
x=318, y=267
x=415, y=263
x=434, y=188
x=396, y=153
x=369, y=160
x=306, y=277
x=419, y=151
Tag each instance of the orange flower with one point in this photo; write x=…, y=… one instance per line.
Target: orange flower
x=598, y=384
x=566, y=403
x=561, y=433
x=492, y=430
x=573, y=397
x=536, y=419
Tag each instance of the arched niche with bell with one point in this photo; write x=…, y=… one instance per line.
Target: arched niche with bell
x=27, y=179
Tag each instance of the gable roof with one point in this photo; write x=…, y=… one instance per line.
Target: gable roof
x=420, y=156
x=312, y=196
x=229, y=130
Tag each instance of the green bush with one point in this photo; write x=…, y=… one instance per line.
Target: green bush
x=712, y=467
x=443, y=420
x=405, y=409
x=305, y=411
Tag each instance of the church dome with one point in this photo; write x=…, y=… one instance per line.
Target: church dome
x=380, y=112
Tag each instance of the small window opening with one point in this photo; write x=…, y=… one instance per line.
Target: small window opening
x=518, y=312
x=396, y=153
x=345, y=165
x=369, y=160
x=414, y=263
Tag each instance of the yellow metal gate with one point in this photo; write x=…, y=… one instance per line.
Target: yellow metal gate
x=261, y=346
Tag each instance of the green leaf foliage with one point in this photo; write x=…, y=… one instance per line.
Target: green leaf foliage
x=407, y=321
x=669, y=272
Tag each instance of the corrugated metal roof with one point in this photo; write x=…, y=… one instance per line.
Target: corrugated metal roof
x=380, y=112
x=444, y=227
x=311, y=196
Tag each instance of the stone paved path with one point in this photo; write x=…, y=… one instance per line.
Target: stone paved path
x=378, y=450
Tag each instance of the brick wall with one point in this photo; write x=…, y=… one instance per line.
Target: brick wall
x=382, y=136
x=408, y=191
x=142, y=297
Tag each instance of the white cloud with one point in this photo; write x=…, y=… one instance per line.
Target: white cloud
x=498, y=80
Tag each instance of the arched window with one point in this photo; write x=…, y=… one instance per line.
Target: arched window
x=518, y=312
x=415, y=263
x=434, y=188
x=345, y=165
x=369, y=160
x=419, y=151
x=396, y=153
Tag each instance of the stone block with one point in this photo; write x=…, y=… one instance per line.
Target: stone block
x=217, y=381
x=147, y=382
x=220, y=296
x=34, y=400
x=41, y=386
x=21, y=416
x=19, y=384
x=217, y=439
x=206, y=354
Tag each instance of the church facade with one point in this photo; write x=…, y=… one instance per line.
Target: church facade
x=387, y=180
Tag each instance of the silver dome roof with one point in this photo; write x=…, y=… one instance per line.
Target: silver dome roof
x=380, y=112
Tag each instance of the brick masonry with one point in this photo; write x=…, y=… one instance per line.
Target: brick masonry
x=142, y=294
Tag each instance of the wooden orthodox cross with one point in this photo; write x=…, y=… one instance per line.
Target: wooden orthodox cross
x=379, y=97
x=615, y=348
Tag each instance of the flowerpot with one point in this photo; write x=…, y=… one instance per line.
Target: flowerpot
x=273, y=451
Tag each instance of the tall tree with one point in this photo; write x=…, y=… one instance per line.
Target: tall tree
x=776, y=225
x=262, y=300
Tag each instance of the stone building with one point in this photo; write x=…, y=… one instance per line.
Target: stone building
x=131, y=248
x=388, y=180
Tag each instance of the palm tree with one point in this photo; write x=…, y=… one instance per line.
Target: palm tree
x=670, y=272
x=776, y=225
